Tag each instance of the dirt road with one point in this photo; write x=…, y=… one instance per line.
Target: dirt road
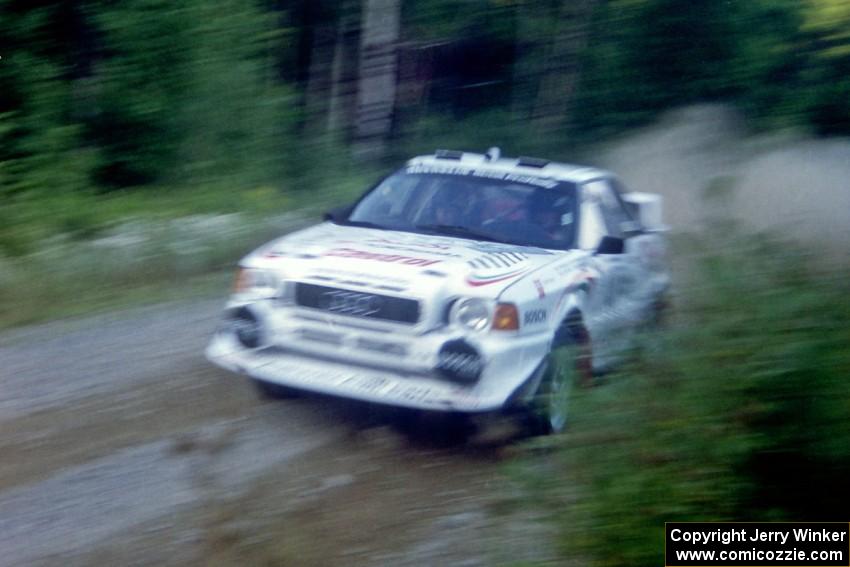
x=120, y=444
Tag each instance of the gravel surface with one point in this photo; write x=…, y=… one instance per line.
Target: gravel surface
x=122, y=445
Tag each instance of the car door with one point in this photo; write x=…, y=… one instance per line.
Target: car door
x=619, y=303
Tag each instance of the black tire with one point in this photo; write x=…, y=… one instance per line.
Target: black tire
x=567, y=365
x=272, y=391
x=661, y=311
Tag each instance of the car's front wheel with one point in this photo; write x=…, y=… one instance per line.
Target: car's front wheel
x=567, y=365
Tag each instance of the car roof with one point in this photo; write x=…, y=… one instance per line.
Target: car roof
x=492, y=161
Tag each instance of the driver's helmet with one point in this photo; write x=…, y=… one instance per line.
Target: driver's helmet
x=449, y=207
x=504, y=205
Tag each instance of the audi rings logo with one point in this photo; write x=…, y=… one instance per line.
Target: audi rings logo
x=350, y=303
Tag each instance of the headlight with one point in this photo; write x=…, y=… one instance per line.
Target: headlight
x=257, y=282
x=474, y=314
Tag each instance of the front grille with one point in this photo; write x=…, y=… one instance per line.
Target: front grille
x=321, y=337
x=357, y=304
x=382, y=347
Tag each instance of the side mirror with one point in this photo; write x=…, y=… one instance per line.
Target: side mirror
x=610, y=245
x=339, y=214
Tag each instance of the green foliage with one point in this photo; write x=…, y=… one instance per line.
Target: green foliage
x=441, y=19
x=476, y=132
x=784, y=62
x=40, y=149
x=78, y=276
x=144, y=240
x=187, y=92
x=740, y=415
x=116, y=94
x=826, y=24
x=649, y=55
x=105, y=95
x=142, y=81
x=768, y=61
x=102, y=95
x=209, y=98
x=239, y=117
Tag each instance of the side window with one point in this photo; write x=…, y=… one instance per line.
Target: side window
x=610, y=204
x=619, y=190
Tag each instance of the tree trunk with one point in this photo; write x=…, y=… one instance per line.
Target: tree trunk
x=319, y=80
x=343, y=96
x=559, y=79
x=376, y=92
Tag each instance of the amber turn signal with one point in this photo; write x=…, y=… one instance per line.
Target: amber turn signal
x=242, y=281
x=506, y=317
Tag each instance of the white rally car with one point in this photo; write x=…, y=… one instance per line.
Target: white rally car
x=464, y=282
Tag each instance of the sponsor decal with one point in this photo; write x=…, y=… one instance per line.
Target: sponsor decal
x=329, y=274
x=411, y=243
x=386, y=388
x=327, y=378
x=392, y=258
x=420, y=249
x=407, y=245
x=477, y=280
x=413, y=393
x=497, y=247
x=512, y=177
x=370, y=384
x=583, y=279
x=535, y=316
x=541, y=293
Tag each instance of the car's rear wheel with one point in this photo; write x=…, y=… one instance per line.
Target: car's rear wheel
x=660, y=313
x=272, y=391
x=567, y=365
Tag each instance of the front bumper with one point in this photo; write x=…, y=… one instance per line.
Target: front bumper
x=328, y=377
x=406, y=379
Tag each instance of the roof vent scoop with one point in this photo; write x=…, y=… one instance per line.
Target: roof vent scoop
x=493, y=154
x=449, y=154
x=536, y=163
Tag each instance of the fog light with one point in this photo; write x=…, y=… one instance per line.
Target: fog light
x=246, y=327
x=459, y=361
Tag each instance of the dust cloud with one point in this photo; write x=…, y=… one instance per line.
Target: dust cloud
x=703, y=160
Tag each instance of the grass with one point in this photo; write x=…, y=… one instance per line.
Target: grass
x=66, y=255
x=43, y=306
x=141, y=261
x=739, y=412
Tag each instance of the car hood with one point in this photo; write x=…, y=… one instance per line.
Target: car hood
x=400, y=261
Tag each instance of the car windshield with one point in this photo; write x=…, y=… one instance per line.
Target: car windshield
x=500, y=207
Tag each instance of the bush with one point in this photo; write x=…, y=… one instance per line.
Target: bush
x=740, y=414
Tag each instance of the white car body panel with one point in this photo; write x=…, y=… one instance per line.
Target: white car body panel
x=322, y=348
